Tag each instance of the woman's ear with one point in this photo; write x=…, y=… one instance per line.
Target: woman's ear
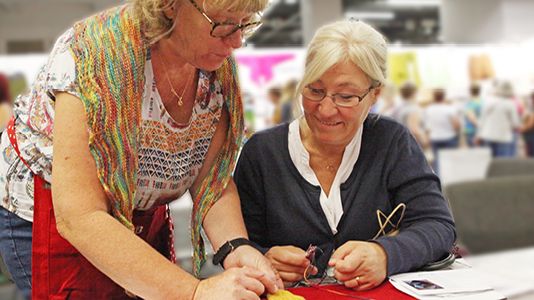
x=376, y=92
x=170, y=9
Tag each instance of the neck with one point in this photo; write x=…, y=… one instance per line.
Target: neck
x=165, y=48
x=315, y=147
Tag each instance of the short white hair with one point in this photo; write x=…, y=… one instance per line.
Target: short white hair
x=342, y=41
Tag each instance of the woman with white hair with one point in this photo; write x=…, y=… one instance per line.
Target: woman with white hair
x=321, y=179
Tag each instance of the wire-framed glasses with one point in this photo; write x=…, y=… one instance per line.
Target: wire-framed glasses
x=225, y=29
x=339, y=99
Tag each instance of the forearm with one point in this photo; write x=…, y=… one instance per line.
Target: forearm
x=224, y=220
x=126, y=258
x=417, y=245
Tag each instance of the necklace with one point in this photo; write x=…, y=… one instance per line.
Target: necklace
x=330, y=167
x=180, y=97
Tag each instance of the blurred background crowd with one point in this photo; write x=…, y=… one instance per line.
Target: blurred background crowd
x=461, y=73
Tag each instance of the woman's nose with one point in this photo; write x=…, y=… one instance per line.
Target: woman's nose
x=327, y=107
x=235, y=40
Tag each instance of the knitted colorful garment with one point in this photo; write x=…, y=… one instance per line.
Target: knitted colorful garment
x=110, y=54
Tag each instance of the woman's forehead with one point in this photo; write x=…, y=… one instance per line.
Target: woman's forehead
x=345, y=75
x=234, y=6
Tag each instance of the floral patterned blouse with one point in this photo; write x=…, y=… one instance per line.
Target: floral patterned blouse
x=170, y=154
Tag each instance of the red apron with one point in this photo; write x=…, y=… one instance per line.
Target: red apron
x=59, y=271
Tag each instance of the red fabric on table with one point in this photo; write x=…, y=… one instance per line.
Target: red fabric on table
x=385, y=291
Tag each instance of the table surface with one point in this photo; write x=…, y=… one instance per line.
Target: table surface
x=509, y=272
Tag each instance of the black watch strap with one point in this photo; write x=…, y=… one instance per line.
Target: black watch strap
x=227, y=248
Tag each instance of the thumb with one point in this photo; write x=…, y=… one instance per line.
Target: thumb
x=339, y=254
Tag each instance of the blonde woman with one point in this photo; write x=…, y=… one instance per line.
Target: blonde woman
x=143, y=104
x=321, y=179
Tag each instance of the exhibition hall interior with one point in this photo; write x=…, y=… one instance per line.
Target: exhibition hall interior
x=459, y=79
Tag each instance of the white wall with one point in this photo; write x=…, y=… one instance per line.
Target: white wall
x=518, y=17
x=487, y=21
x=43, y=20
x=316, y=13
x=471, y=21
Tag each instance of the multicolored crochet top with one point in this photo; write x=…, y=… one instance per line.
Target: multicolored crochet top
x=110, y=54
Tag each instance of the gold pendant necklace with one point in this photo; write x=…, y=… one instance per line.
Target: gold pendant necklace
x=330, y=167
x=180, y=97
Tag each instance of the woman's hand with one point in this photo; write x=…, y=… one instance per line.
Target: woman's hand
x=360, y=265
x=290, y=261
x=234, y=283
x=247, y=256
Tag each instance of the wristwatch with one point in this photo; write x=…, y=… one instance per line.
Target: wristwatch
x=227, y=248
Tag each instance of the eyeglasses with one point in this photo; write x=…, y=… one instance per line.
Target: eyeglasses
x=225, y=29
x=339, y=99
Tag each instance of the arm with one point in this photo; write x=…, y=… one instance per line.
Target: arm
x=83, y=218
x=414, y=127
x=528, y=123
x=470, y=115
x=427, y=231
x=226, y=209
x=455, y=121
x=224, y=220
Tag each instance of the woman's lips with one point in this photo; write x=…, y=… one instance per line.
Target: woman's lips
x=328, y=123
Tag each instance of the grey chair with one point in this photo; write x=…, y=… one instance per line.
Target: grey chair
x=495, y=213
x=510, y=166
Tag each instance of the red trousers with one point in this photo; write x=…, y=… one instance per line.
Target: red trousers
x=59, y=271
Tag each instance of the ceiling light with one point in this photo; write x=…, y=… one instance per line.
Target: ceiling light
x=370, y=15
x=414, y=3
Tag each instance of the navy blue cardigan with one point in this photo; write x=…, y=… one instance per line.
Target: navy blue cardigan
x=281, y=208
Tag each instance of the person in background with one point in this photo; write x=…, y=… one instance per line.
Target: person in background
x=289, y=92
x=387, y=103
x=472, y=114
x=499, y=119
x=143, y=104
x=443, y=124
x=275, y=96
x=5, y=102
x=410, y=114
x=321, y=179
x=527, y=128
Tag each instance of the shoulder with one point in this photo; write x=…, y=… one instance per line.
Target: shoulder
x=267, y=136
x=382, y=126
x=272, y=138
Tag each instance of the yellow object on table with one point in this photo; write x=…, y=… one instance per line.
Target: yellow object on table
x=284, y=295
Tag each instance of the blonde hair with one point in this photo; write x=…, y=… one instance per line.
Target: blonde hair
x=157, y=25
x=343, y=41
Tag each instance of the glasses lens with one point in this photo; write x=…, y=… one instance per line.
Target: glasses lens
x=224, y=30
x=313, y=94
x=346, y=101
x=250, y=29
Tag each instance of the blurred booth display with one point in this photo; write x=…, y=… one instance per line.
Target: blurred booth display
x=403, y=67
x=459, y=165
x=480, y=67
x=493, y=214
